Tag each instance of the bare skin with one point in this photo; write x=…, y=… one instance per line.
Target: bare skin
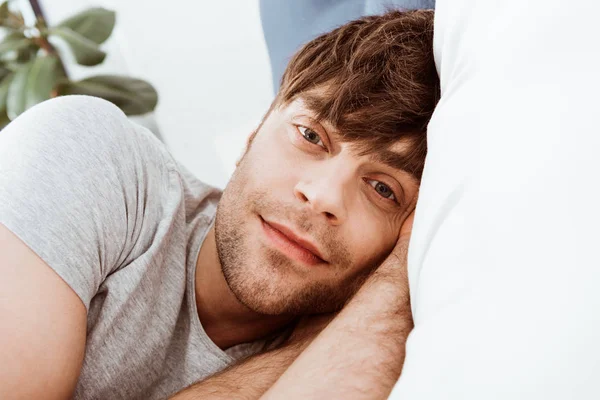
x=322, y=186
x=362, y=350
x=34, y=299
x=377, y=321
x=227, y=321
x=323, y=192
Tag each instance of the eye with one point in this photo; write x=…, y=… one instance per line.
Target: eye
x=382, y=189
x=311, y=136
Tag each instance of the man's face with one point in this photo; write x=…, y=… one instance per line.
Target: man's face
x=305, y=219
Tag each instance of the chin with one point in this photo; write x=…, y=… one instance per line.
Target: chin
x=264, y=291
x=278, y=290
x=264, y=280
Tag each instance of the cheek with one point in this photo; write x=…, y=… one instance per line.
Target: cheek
x=372, y=238
x=270, y=162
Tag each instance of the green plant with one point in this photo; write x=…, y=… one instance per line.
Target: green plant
x=32, y=69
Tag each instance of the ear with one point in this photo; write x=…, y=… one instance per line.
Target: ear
x=247, y=147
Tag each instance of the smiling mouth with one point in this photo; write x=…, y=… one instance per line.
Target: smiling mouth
x=288, y=245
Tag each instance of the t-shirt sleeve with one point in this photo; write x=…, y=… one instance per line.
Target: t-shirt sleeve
x=73, y=187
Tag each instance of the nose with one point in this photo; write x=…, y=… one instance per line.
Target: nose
x=325, y=192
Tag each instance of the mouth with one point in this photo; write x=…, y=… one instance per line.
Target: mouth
x=291, y=244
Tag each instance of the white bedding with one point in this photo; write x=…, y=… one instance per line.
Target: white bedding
x=504, y=263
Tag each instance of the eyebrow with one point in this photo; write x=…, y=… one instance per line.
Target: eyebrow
x=392, y=159
x=311, y=114
x=308, y=103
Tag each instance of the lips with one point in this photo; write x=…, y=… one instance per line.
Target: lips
x=295, y=239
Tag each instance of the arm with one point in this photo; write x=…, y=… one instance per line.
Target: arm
x=251, y=378
x=376, y=321
x=246, y=380
x=42, y=328
x=332, y=357
x=360, y=354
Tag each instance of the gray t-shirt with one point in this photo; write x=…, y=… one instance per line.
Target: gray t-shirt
x=106, y=206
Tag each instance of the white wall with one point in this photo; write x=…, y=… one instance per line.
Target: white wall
x=207, y=60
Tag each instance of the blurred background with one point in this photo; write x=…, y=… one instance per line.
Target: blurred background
x=206, y=59
x=207, y=62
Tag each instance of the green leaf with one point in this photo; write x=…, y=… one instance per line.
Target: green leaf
x=13, y=42
x=9, y=19
x=4, y=11
x=4, y=71
x=85, y=51
x=4, y=120
x=43, y=77
x=95, y=24
x=133, y=96
x=4, y=85
x=27, y=53
x=16, y=101
x=32, y=84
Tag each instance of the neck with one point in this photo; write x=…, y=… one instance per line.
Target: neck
x=225, y=319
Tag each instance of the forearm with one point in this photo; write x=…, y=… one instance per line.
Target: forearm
x=360, y=354
x=246, y=380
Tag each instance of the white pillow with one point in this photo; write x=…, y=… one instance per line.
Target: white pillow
x=504, y=262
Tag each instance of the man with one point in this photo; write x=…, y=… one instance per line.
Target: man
x=122, y=278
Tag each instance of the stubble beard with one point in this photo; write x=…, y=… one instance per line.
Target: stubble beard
x=263, y=279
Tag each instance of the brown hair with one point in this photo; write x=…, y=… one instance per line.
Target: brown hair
x=374, y=79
